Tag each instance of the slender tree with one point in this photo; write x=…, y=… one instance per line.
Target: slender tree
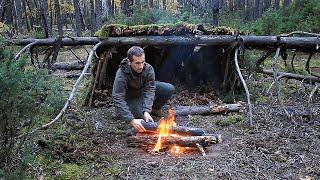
x=19, y=16
x=98, y=11
x=93, y=18
x=77, y=15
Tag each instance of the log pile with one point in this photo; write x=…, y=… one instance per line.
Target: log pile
x=180, y=136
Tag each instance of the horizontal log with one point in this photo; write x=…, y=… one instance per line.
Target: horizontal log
x=69, y=67
x=299, y=77
x=206, y=110
x=151, y=128
x=145, y=140
x=256, y=42
x=299, y=43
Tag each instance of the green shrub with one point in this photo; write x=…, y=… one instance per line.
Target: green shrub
x=27, y=97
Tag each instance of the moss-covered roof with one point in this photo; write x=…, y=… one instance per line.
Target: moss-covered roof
x=179, y=29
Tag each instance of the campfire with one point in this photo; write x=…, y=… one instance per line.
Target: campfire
x=166, y=136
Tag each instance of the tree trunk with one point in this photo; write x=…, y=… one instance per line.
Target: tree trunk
x=267, y=4
x=258, y=8
x=287, y=3
x=249, y=10
x=58, y=14
x=19, y=16
x=93, y=19
x=215, y=5
x=98, y=10
x=77, y=16
x=24, y=11
x=45, y=18
x=164, y=4
x=276, y=4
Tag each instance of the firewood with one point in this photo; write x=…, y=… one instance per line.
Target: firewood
x=182, y=130
x=145, y=140
x=206, y=110
x=69, y=67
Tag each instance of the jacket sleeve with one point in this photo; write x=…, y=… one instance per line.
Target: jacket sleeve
x=119, y=94
x=149, y=91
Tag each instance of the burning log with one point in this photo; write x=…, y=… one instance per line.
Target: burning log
x=152, y=129
x=206, y=110
x=145, y=140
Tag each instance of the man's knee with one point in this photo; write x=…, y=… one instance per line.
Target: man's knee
x=164, y=89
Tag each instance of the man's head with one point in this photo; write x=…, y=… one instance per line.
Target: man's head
x=137, y=58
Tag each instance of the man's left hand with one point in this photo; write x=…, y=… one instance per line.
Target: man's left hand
x=147, y=117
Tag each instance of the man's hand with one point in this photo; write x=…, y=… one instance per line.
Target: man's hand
x=147, y=117
x=136, y=123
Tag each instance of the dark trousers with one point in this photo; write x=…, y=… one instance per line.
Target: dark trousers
x=164, y=92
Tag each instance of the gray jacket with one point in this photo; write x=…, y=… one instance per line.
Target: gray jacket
x=128, y=84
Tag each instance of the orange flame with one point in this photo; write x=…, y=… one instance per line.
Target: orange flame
x=165, y=128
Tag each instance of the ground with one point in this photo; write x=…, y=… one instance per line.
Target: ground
x=91, y=143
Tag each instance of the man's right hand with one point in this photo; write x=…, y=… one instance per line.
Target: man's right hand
x=136, y=123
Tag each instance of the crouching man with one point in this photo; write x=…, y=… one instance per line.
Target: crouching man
x=135, y=93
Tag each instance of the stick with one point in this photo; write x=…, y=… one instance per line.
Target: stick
x=276, y=80
x=244, y=85
x=312, y=93
x=72, y=94
x=24, y=49
x=299, y=77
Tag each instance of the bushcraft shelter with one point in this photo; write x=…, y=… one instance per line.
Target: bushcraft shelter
x=188, y=65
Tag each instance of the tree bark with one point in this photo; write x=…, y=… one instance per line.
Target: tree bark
x=19, y=16
x=77, y=15
x=58, y=14
x=98, y=10
x=93, y=18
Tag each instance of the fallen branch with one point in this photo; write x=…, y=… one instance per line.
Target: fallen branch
x=69, y=67
x=244, y=85
x=276, y=80
x=299, y=77
x=72, y=94
x=24, y=49
x=206, y=110
x=312, y=93
x=146, y=140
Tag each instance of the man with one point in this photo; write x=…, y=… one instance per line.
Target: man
x=135, y=90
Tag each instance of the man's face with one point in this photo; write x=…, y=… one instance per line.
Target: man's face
x=137, y=63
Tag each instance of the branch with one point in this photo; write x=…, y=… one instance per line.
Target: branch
x=244, y=85
x=299, y=77
x=72, y=94
x=24, y=49
x=276, y=80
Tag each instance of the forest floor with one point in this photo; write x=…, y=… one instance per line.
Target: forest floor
x=91, y=143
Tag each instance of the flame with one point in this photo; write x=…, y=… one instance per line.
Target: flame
x=176, y=150
x=165, y=128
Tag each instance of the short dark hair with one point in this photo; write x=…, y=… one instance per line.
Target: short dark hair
x=134, y=51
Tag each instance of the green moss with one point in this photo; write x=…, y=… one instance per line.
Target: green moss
x=178, y=28
x=232, y=119
x=113, y=171
x=73, y=171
